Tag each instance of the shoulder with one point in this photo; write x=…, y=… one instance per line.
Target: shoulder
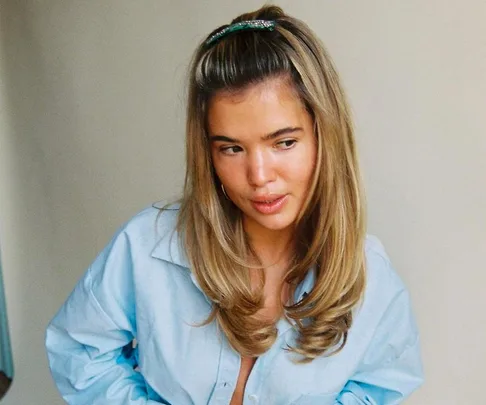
x=152, y=222
x=152, y=232
x=381, y=275
x=385, y=322
x=386, y=298
x=152, y=229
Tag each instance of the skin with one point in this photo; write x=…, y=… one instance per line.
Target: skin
x=263, y=144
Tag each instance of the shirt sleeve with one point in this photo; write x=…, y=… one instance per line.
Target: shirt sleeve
x=85, y=341
x=391, y=368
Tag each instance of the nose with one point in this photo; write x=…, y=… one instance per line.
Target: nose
x=260, y=168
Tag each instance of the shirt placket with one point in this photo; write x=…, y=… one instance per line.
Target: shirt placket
x=254, y=390
x=229, y=367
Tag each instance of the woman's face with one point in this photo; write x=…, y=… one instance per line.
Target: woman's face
x=264, y=151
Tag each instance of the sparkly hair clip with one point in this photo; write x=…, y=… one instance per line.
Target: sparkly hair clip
x=264, y=25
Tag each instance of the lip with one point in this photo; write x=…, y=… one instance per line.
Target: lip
x=270, y=204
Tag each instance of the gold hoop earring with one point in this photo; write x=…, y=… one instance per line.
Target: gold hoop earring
x=224, y=191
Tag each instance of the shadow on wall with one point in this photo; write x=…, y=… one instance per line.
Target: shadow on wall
x=6, y=362
x=23, y=185
x=4, y=384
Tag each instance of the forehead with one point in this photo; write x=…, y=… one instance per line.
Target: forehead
x=262, y=107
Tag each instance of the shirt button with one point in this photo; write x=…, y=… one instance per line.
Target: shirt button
x=253, y=398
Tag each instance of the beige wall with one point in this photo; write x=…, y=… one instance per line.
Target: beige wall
x=91, y=130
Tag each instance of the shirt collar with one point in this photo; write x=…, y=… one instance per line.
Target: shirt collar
x=306, y=285
x=169, y=249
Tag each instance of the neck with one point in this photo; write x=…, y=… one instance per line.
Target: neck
x=273, y=247
x=274, y=250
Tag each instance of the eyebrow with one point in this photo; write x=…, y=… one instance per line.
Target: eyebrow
x=271, y=135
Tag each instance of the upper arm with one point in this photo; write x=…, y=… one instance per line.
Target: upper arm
x=390, y=368
x=85, y=339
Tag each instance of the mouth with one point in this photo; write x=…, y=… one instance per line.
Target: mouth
x=269, y=204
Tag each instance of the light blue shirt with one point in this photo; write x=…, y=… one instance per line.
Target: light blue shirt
x=141, y=287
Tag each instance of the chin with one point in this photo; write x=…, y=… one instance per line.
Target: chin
x=275, y=224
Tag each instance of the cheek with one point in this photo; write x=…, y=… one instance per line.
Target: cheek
x=300, y=169
x=221, y=170
x=229, y=172
x=300, y=174
x=311, y=160
x=218, y=165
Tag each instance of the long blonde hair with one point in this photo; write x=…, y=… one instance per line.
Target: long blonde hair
x=330, y=230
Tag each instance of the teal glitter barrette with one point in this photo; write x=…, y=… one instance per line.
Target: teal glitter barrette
x=265, y=25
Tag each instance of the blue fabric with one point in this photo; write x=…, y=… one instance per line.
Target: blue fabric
x=140, y=286
x=6, y=361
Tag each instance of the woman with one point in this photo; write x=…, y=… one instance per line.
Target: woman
x=261, y=285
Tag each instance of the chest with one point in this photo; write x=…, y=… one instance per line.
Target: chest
x=184, y=363
x=195, y=367
x=271, y=310
x=245, y=370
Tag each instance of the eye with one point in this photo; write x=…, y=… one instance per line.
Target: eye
x=230, y=150
x=286, y=144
